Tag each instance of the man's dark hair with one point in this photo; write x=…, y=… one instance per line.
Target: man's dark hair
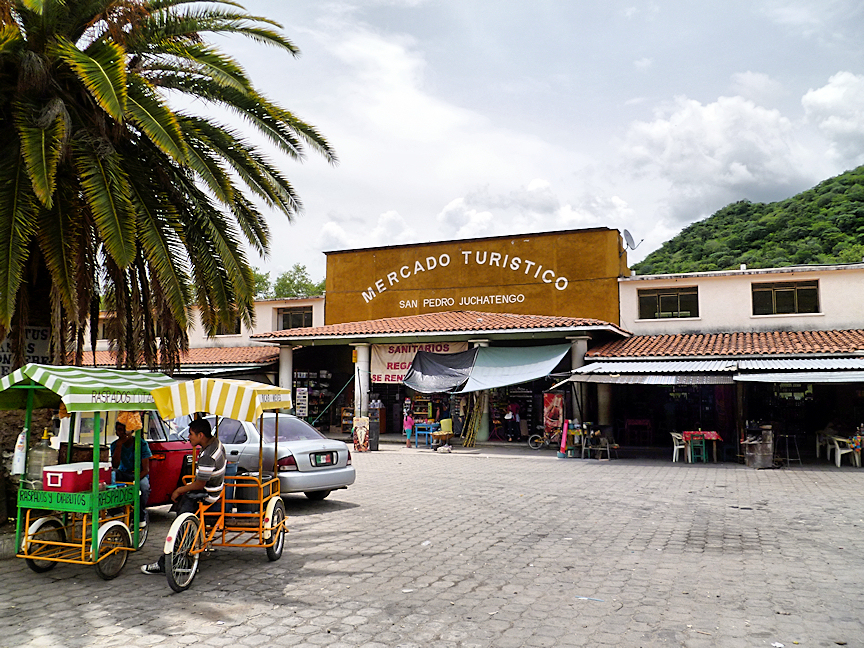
x=201, y=426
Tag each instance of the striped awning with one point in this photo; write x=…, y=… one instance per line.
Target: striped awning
x=243, y=400
x=81, y=389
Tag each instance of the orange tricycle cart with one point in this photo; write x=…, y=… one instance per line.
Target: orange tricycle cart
x=72, y=513
x=256, y=520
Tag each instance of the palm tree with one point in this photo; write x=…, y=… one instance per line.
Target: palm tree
x=112, y=198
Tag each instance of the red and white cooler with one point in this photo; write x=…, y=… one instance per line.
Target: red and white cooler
x=74, y=477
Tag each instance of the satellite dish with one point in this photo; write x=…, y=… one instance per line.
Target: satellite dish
x=629, y=242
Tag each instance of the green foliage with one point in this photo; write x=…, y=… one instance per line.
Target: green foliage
x=296, y=283
x=263, y=289
x=110, y=196
x=822, y=225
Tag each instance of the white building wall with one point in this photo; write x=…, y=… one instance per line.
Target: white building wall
x=266, y=316
x=725, y=301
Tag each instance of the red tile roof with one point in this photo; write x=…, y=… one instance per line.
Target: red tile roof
x=734, y=344
x=206, y=356
x=449, y=321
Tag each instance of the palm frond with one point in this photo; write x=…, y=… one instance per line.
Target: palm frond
x=153, y=116
x=101, y=69
x=59, y=241
x=41, y=147
x=106, y=191
x=17, y=226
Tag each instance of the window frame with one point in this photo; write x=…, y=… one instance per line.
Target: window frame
x=798, y=289
x=667, y=294
x=306, y=312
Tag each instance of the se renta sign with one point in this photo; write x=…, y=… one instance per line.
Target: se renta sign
x=390, y=362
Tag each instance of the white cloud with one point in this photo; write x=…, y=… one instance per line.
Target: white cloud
x=838, y=109
x=758, y=87
x=643, y=63
x=715, y=153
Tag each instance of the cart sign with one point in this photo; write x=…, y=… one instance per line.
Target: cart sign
x=390, y=362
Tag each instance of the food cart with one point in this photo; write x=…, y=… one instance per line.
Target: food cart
x=75, y=515
x=259, y=520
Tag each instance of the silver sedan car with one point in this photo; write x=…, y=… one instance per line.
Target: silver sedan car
x=308, y=462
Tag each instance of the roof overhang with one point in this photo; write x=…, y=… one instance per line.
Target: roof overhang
x=325, y=339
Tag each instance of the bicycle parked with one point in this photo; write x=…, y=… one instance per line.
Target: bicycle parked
x=545, y=440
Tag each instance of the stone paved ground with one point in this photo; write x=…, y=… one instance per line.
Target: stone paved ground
x=499, y=549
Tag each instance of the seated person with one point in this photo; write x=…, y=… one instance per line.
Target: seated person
x=123, y=462
x=208, y=483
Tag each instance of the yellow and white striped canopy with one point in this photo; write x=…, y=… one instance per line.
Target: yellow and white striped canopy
x=243, y=400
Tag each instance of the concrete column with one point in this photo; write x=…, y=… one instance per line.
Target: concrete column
x=578, y=348
x=604, y=404
x=483, y=428
x=286, y=369
x=361, y=380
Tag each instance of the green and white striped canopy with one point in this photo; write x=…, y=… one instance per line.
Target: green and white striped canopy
x=81, y=389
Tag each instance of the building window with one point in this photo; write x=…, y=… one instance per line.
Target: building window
x=223, y=329
x=785, y=297
x=291, y=318
x=669, y=302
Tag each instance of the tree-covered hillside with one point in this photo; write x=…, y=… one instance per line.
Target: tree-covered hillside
x=824, y=224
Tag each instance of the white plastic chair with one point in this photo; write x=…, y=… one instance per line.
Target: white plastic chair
x=677, y=445
x=843, y=446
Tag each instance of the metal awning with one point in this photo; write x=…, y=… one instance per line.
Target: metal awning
x=652, y=379
x=803, y=377
x=659, y=366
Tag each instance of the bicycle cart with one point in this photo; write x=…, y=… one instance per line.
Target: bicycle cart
x=259, y=518
x=74, y=514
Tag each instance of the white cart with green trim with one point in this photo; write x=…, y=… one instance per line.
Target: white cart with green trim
x=99, y=526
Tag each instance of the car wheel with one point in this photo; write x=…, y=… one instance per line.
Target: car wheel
x=317, y=495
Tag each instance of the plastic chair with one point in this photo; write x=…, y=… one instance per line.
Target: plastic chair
x=697, y=448
x=678, y=444
x=843, y=446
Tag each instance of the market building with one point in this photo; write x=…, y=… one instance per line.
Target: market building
x=382, y=305
x=730, y=351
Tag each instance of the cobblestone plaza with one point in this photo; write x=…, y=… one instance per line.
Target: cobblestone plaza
x=497, y=548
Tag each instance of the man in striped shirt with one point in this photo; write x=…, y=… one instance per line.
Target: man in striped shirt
x=209, y=479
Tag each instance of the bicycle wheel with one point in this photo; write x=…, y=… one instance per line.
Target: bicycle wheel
x=144, y=530
x=51, y=531
x=274, y=552
x=535, y=441
x=116, y=539
x=181, y=564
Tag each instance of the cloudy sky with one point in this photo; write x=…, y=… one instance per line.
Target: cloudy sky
x=470, y=118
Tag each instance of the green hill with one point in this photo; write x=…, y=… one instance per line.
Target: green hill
x=822, y=225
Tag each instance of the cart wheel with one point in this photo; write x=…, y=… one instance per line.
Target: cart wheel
x=52, y=531
x=277, y=521
x=317, y=495
x=181, y=564
x=143, y=531
x=116, y=538
x=535, y=441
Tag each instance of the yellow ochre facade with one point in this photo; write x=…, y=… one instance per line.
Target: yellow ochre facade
x=569, y=273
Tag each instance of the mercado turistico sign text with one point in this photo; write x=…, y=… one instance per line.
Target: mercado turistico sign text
x=565, y=273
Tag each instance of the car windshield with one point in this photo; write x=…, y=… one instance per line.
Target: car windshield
x=290, y=429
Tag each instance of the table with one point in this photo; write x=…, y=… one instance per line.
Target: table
x=710, y=435
x=426, y=429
